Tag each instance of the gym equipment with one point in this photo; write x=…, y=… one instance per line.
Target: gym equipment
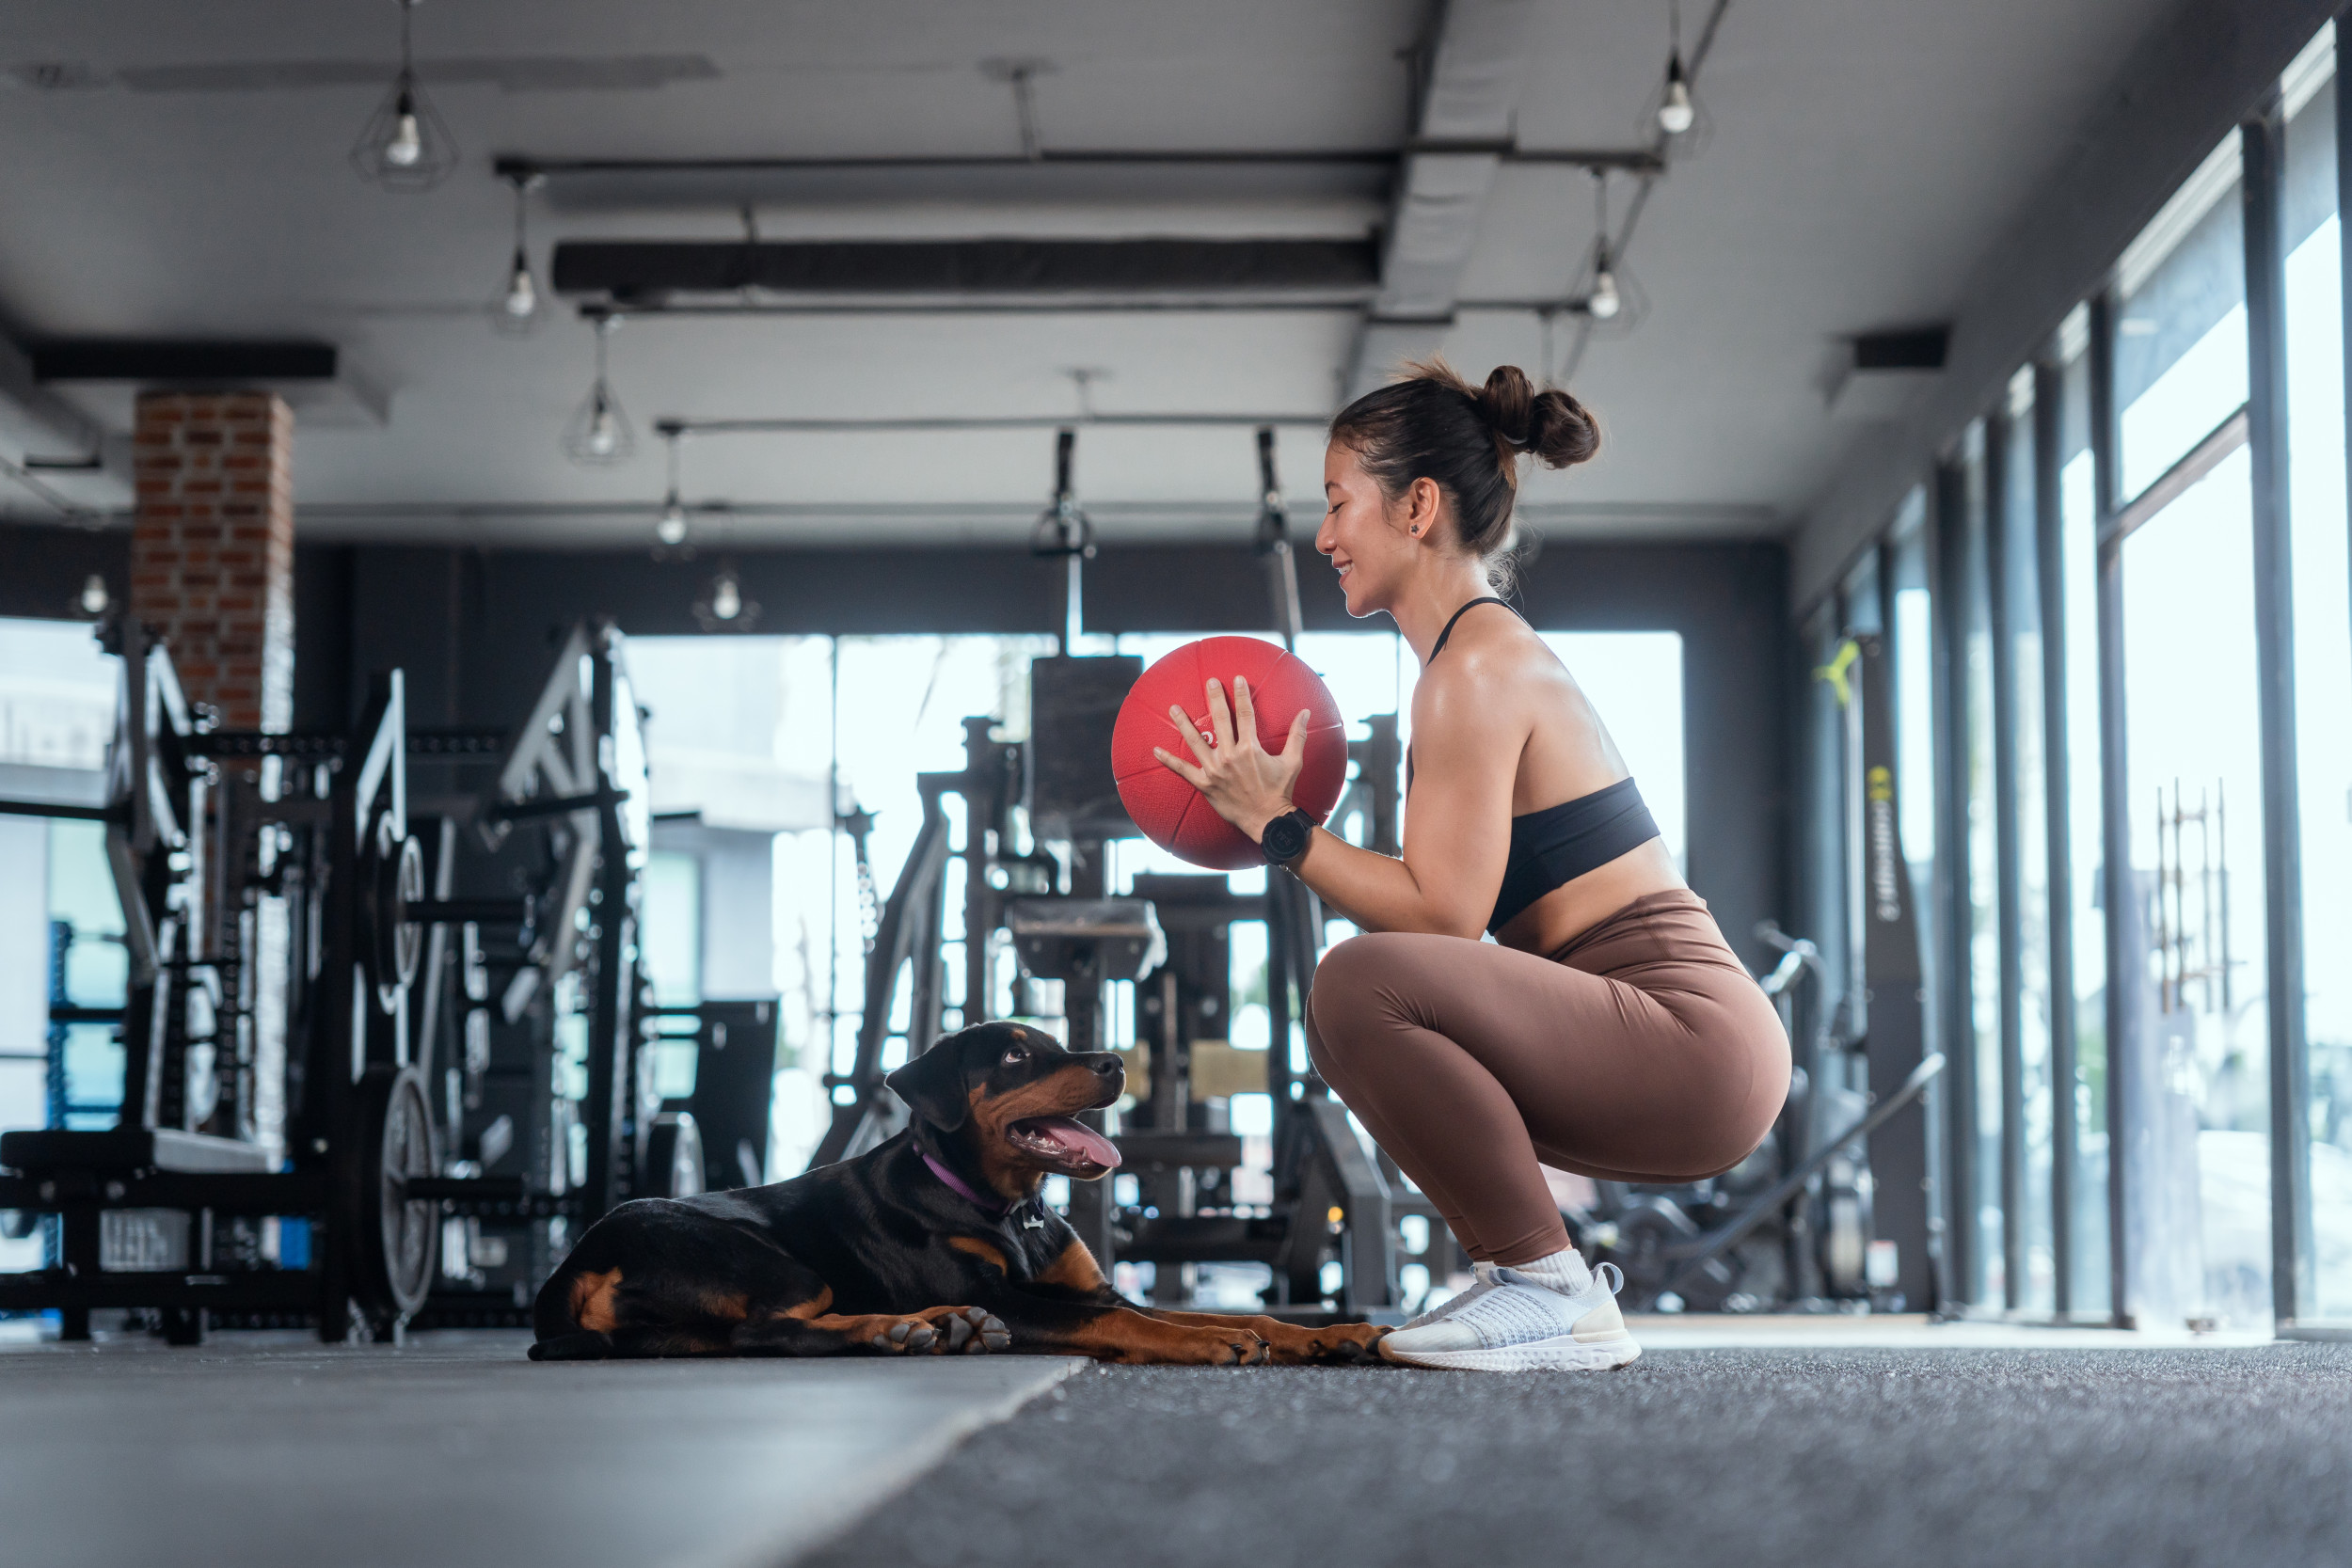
x=1169, y=811
x=1831, y=1212
x=1035, y=918
x=290, y=926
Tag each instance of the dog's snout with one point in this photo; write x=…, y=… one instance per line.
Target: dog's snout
x=1105, y=1064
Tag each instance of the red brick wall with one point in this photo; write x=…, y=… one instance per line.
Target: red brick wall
x=212, y=552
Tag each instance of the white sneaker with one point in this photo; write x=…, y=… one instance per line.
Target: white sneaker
x=1482, y=1280
x=1521, y=1326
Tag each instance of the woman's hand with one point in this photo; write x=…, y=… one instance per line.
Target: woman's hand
x=1242, y=782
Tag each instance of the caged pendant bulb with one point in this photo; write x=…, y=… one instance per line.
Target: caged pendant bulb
x=94, y=595
x=726, y=598
x=604, y=431
x=1676, y=114
x=406, y=143
x=522, y=294
x=671, y=528
x=1605, y=302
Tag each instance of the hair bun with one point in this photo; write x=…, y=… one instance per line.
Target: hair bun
x=1549, y=425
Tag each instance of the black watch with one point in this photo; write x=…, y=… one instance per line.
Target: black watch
x=1285, y=837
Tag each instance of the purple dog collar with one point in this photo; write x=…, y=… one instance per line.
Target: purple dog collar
x=995, y=1210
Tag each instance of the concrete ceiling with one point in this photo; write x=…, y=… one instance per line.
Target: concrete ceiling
x=181, y=171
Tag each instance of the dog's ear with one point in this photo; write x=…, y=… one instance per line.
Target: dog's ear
x=932, y=1084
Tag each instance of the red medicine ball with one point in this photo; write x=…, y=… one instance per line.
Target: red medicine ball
x=1170, y=810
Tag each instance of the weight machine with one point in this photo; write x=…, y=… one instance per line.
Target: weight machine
x=298, y=916
x=1035, y=908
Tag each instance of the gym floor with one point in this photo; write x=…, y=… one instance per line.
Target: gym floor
x=1878, y=1445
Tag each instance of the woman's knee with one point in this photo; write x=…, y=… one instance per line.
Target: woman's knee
x=1352, y=995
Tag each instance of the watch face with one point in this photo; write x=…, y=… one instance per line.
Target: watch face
x=1284, y=837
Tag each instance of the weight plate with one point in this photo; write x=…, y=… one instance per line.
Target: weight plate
x=395, y=942
x=399, y=1236
x=674, y=1156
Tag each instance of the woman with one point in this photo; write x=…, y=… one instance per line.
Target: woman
x=1608, y=1029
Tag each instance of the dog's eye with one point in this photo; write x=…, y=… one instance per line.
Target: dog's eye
x=1015, y=1056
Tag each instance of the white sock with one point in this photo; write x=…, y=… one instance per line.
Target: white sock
x=1563, y=1270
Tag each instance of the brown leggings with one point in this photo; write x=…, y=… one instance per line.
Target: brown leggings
x=1639, y=1051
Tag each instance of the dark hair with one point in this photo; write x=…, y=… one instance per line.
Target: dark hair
x=1432, y=424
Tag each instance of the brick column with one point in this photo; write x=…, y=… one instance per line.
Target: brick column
x=212, y=552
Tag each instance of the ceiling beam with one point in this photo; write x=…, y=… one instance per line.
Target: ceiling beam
x=176, y=360
x=1631, y=160
x=1476, y=64
x=963, y=268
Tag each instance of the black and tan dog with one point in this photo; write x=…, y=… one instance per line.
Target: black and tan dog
x=936, y=1242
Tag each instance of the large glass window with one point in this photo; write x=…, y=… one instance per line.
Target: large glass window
x=2091, y=1279
x=1913, y=640
x=2195, y=766
x=2180, y=354
x=2323, y=653
x=2029, y=1102
x=1979, y=1067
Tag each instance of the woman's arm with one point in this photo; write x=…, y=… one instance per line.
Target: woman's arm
x=1466, y=744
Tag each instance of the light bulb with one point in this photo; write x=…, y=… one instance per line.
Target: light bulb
x=1675, y=115
x=603, y=436
x=408, y=143
x=726, y=600
x=94, y=595
x=1605, y=301
x=671, y=528
x=522, y=294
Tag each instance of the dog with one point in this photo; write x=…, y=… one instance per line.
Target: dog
x=935, y=1242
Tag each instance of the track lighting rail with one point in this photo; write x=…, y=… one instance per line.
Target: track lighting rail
x=673, y=428
x=1640, y=161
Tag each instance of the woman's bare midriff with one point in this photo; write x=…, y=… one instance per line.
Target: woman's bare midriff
x=1573, y=907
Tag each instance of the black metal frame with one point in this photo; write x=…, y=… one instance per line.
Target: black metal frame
x=1950, y=586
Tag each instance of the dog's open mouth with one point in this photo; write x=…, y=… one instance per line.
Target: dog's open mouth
x=1064, y=1144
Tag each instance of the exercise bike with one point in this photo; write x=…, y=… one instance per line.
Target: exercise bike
x=1790, y=1227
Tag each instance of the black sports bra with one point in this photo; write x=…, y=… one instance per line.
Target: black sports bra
x=1555, y=845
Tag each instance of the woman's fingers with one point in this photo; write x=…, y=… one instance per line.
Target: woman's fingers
x=1182, y=768
x=1183, y=721
x=1220, y=716
x=1245, y=710
x=1296, y=738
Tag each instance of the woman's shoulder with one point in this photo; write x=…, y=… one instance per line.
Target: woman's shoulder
x=1488, y=666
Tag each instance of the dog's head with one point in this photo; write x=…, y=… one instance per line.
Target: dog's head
x=1006, y=1094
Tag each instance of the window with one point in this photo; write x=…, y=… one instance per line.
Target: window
x=2323, y=652
x=2092, y=1275
x=1978, y=1068
x=2180, y=353
x=2028, y=1104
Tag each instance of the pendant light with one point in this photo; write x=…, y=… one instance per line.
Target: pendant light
x=406, y=145
x=599, y=435
x=1675, y=116
x=516, y=310
x=670, y=527
x=95, y=599
x=724, y=607
x=1612, y=300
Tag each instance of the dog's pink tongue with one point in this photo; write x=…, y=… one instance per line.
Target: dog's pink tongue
x=1079, y=1140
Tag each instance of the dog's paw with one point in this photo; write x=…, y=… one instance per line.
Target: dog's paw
x=1336, y=1345
x=974, y=1332
x=906, y=1336
x=1243, y=1349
